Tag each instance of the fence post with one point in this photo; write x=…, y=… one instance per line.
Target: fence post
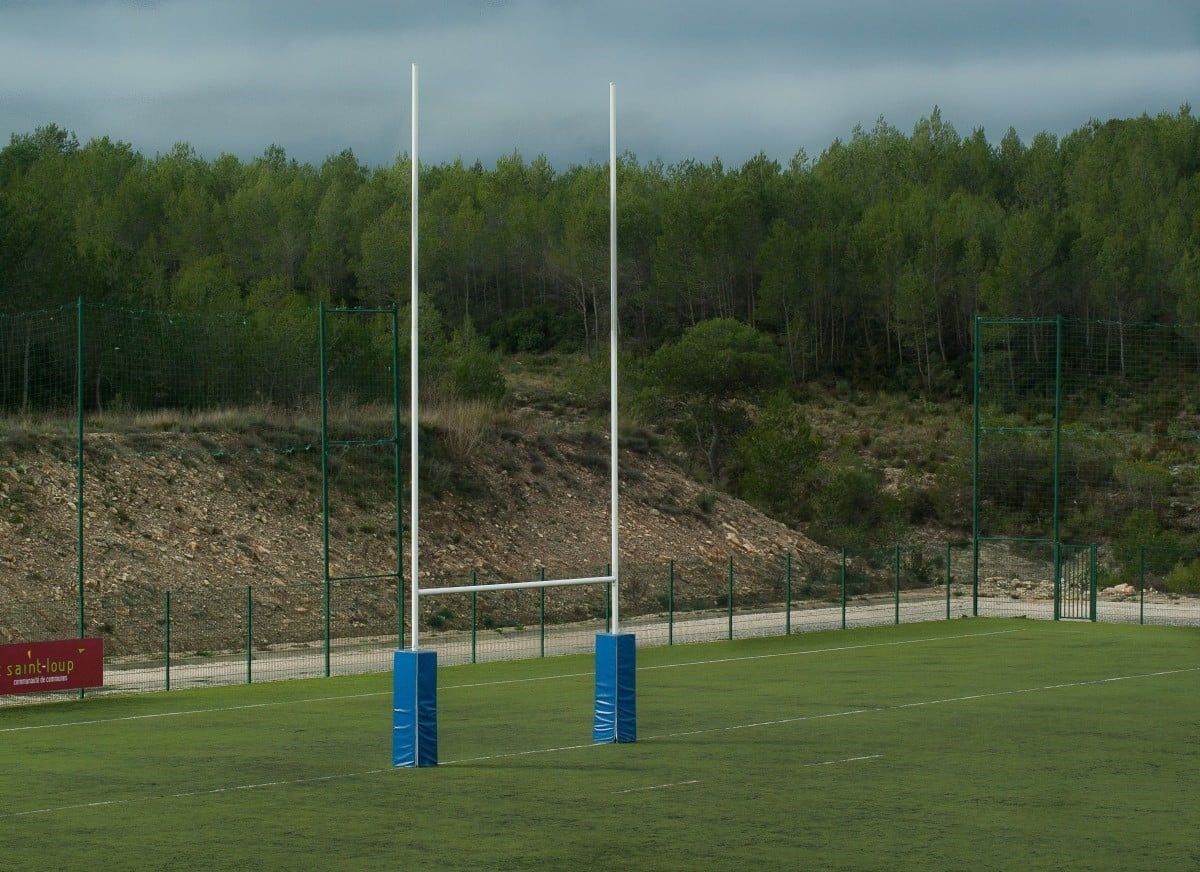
x=730, y=596
x=474, y=594
x=328, y=624
x=1057, y=490
x=324, y=389
x=948, y=558
x=250, y=635
x=896, y=568
x=843, y=580
x=1094, y=581
x=167, y=640
x=542, y=610
x=977, y=357
x=1141, y=584
x=1057, y=561
x=788, y=604
x=671, y=602
x=79, y=477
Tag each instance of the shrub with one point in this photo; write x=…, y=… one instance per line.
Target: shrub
x=775, y=458
x=1185, y=578
x=703, y=381
x=1142, y=538
x=852, y=509
x=439, y=619
x=1149, y=483
x=586, y=380
x=535, y=330
x=474, y=372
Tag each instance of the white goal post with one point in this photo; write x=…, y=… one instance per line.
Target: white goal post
x=414, y=553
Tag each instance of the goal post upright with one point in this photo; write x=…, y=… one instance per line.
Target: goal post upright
x=414, y=396
x=614, y=468
x=414, y=721
x=615, y=714
x=414, y=671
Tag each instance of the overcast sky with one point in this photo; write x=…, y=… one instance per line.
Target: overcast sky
x=695, y=78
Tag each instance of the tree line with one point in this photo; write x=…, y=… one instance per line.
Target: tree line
x=867, y=262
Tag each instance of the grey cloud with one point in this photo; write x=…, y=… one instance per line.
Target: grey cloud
x=697, y=79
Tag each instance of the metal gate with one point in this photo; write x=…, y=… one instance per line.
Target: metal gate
x=1075, y=584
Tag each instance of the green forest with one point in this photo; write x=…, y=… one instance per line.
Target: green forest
x=866, y=262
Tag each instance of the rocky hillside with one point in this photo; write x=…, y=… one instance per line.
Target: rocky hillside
x=206, y=513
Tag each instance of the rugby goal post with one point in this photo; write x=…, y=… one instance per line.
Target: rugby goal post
x=414, y=722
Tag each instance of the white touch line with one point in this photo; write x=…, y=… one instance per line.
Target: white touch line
x=826, y=650
x=258, y=705
x=897, y=707
x=655, y=787
x=335, y=777
x=519, y=680
x=846, y=760
x=522, y=753
x=344, y=775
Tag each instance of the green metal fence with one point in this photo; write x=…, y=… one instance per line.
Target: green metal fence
x=1085, y=455
x=235, y=634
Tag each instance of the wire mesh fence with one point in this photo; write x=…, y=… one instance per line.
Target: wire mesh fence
x=1086, y=469
x=231, y=635
x=1084, y=432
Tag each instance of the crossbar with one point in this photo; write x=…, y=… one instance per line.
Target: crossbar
x=518, y=585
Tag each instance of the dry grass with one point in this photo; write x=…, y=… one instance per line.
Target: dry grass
x=464, y=427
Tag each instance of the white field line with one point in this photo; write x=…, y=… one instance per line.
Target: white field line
x=826, y=650
x=507, y=754
x=655, y=787
x=258, y=705
x=925, y=702
x=337, y=776
x=846, y=760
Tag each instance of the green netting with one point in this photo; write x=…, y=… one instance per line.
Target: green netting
x=1087, y=433
x=231, y=408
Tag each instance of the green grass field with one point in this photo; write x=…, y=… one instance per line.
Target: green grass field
x=973, y=744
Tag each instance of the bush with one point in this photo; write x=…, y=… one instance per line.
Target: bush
x=586, y=380
x=702, y=382
x=1087, y=460
x=535, y=330
x=1142, y=538
x=853, y=511
x=1148, y=483
x=775, y=458
x=919, y=504
x=474, y=372
x=1185, y=578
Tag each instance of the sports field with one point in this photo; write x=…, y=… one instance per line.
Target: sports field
x=972, y=744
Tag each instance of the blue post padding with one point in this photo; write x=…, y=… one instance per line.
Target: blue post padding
x=414, y=709
x=616, y=688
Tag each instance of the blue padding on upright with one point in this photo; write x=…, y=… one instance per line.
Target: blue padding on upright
x=616, y=688
x=414, y=709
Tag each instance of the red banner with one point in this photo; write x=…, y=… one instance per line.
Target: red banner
x=38, y=667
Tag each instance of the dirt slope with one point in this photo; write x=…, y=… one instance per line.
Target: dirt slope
x=206, y=514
